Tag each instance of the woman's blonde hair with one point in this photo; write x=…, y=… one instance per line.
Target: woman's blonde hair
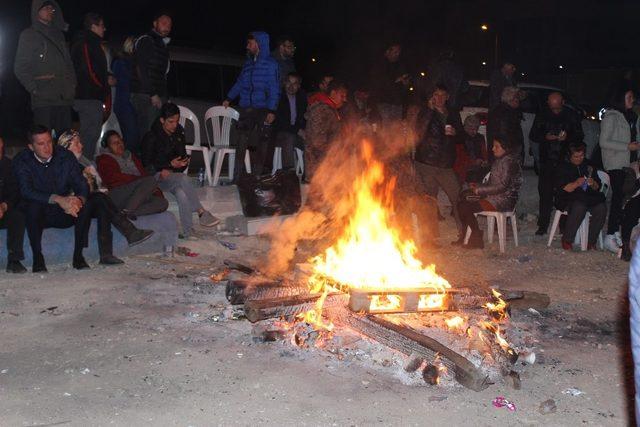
x=129, y=45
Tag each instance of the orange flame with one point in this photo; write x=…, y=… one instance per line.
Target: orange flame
x=498, y=309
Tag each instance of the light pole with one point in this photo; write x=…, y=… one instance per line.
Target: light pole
x=485, y=27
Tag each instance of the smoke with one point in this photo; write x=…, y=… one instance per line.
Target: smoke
x=330, y=199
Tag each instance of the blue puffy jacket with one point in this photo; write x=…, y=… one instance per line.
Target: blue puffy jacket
x=258, y=83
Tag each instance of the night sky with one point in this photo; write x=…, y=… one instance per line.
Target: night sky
x=346, y=36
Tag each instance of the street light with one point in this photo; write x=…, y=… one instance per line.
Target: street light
x=484, y=62
x=484, y=27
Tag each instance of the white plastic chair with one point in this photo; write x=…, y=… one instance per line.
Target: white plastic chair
x=582, y=236
x=500, y=218
x=299, y=159
x=187, y=114
x=217, y=122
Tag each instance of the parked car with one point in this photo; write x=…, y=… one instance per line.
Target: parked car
x=476, y=101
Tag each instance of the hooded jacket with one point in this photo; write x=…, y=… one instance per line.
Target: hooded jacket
x=150, y=65
x=158, y=148
x=615, y=136
x=43, y=62
x=90, y=63
x=503, y=187
x=258, y=84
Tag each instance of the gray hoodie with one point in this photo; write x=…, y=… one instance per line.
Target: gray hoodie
x=43, y=63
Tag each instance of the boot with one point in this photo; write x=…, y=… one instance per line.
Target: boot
x=38, y=263
x=15, y=267
x=79, y=263
x=133, y=235
x=626, y=252
x=475, y=240
x=105, y=247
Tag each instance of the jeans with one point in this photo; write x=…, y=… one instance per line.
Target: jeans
x=289, y=142
x=617, y=198
x=634, y=306
x=146, y=114
x=630, y=217
x=14, y=221
x=180, y=186
x=90, y=113
x=41, y=215
x=251, y=132
x=545, y=192
x=138, y=197
x=445, y=178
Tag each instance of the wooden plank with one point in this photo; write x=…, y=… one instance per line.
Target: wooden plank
x=256, y=310
x=240, y=291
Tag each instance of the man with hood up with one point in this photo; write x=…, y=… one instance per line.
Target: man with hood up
x=258, y=87
x=44, y=67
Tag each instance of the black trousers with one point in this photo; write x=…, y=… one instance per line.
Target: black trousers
x=617, y=198
x=630, y=217
x=466, y=210
x=253, y=134
x=57, y=118
x=576, y=210
x=42, y=215
x=545, y=193
x=13, y=220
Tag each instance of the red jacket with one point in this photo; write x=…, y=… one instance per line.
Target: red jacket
x=111, y=174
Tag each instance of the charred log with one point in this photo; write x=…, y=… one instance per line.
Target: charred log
x=240, y=291
x=286, y=307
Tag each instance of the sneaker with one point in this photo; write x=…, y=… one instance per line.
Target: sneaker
x=208, y=220
x=611, y=244
x=139, y=236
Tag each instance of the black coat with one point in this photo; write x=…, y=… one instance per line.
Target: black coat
x=383, y=82
x=497, y=84
x=548, y=122
x=90, y=63
x=9, y=190
x=61, y=176
x=158, y=148
x=150, y=65
x=567, y=172
x=283, y=114
x=504, y=122
x=434, y=148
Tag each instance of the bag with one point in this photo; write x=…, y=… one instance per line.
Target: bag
x=270, y=195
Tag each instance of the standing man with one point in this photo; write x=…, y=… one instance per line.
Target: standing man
x=149, y=77
x=290, y=121
x=11, y=217
x=389, y=83
x=283, y=54
x=94, y=81
x=437, y=129
x=258, y=87
x=505, y=120
x=44, y=67
x=554, y=129
x=504, y=77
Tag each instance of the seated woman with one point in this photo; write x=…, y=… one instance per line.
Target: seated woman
x=471, y=152
x=130, y=187
x=106, y=212
x=499, y=193
x=165, y=157
x=578, y=192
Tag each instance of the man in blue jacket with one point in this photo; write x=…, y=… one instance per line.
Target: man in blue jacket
x=258, y=88
x=54, y=194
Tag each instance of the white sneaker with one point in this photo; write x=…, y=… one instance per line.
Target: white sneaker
x=611, y=244
x=618, y=238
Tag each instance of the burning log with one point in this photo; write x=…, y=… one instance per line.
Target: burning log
x=240, y=267
x=408, y=341
x=240, y=291
x=256, y=310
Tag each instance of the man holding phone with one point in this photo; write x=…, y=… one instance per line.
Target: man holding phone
x=164, y=156
x=553, y=129
x=390, y=84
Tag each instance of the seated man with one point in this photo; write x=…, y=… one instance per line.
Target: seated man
x=578, y=192
x=54, y=194
x=11, y=218
x=131, y=188
x=164, y=156
x=290, y=121
x=471, y=152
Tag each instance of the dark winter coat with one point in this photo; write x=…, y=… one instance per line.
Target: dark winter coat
x=90, y=63
x=43, y=62
x=258, y=84
x=158, y=148
x=505, y=122
x=285, y=65
x=434, y=148
x=446, y=72
x=62, y=176
x=150, y=65
x=503, y=188
x=9, y=190
x=283, y=115
x=547, y=122
x=324, y=124
x=384, y=88
x=497, y=84
x=567, y=172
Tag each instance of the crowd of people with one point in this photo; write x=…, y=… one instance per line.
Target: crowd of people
x=65, y=178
